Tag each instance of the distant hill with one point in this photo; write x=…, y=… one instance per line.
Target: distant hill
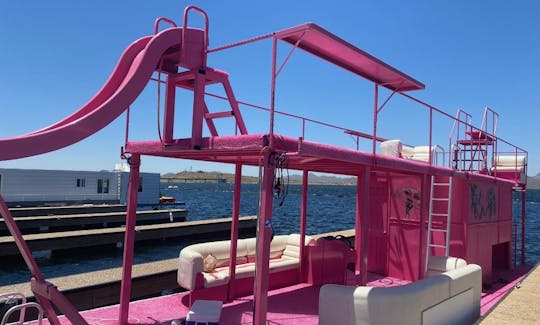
x=533, y=182
x=202, y=176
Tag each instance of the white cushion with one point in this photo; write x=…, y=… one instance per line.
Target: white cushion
x=407, y=151
x=421, y=153
x=391, y=148
x=441, y=264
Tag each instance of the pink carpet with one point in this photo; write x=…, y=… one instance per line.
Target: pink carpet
x=294, y=305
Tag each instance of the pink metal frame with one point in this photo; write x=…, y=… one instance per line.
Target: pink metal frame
x=263, y=153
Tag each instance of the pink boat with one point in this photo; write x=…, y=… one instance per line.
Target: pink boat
x=433, y=239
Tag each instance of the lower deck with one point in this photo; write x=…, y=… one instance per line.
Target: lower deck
x=297, y=304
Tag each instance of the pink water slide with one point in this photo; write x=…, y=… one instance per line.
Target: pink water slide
x=127, y=81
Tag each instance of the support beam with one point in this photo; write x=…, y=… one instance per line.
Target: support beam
x=43, y=298
x=362, y=224
x=198, y=110
x=129, y=239
x=303, y=217
x=264, y=236
x=523, y=219
x=234, y=229
x=168, y=115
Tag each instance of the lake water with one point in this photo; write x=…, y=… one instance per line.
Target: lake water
x=331, y=208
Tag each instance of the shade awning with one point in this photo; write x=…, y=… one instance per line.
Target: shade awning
x=321, y=43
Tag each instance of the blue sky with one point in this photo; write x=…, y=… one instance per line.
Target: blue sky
x=470, y=54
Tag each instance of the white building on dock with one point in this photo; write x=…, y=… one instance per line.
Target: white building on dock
x=27, y=187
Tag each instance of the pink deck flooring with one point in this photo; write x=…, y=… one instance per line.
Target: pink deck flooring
x=296, y=305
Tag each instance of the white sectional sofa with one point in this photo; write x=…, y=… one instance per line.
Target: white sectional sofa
x=284, y=255
x=449, y=297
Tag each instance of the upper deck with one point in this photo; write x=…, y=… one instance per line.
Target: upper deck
x=464, y=148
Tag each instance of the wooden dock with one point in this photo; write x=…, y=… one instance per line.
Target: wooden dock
x=98, y=237
x=54, y=223
x=521, y=305
x=67, y=209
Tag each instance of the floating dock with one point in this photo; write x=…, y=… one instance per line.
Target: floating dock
x=66, y=209
x=521, y=305
x=98, y=237
x=54, y=223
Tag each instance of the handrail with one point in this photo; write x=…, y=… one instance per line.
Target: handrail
x=156, y=23
x=206, y=27
x=14, y=295
x=205, y=16
x=368, y=136
x=22, y=308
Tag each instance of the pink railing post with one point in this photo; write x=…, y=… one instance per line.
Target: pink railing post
x=430, y=152
x=273, y=84
x=129, y=239
x=375, y=114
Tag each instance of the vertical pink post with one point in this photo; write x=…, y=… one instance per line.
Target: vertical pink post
x=375, y=115
x=424, y=208
x=303, y=217
x=198, y=110
x=263, y=240
x=234, y=229
x=273, y=85
x=523, y=219
x=129, y=239
x=168, y=117
x=431, y=152
x=362, y=224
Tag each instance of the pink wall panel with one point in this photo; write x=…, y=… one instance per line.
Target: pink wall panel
x=404, y=248
x=378, y=225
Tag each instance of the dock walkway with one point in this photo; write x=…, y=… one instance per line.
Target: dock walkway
x=66, y=209
x=521, y=305
x=97, y=237
x=33, y=224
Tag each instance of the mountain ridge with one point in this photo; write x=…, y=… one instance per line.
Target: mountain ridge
x=533, y=182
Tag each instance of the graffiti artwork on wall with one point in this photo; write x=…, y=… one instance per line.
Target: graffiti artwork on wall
x=410, y=197
x=483, y=202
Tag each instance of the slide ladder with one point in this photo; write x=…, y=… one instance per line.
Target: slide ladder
x=197, y=80
x=440, y=217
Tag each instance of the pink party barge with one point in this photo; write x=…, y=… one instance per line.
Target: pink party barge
x=434, y=227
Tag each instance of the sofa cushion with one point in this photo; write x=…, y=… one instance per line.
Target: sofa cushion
x=217, y=277
x=441, y=264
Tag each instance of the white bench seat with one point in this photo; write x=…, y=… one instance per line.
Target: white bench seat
x=284, y=255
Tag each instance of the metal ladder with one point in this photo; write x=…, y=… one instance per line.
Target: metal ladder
x=437, y=205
